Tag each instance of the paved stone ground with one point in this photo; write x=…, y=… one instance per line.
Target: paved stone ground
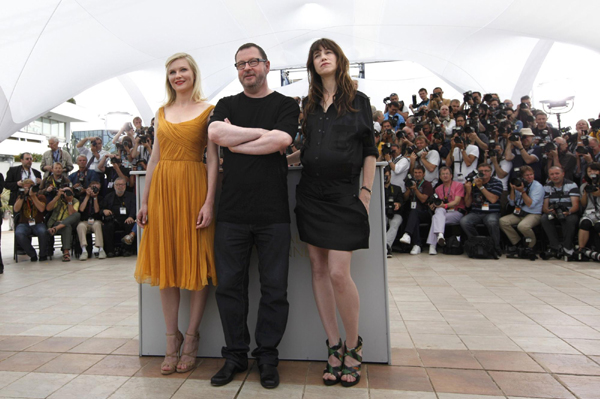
x=461, y=328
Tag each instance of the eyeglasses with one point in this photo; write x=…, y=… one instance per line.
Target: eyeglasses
x=28, y=159
x=252, y=63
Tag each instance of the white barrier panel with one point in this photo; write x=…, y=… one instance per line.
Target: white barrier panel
x=304, y=338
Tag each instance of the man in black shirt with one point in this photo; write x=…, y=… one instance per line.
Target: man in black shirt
x=91, y=220
x=254, y=128
x=119, y=215
x=416, y=195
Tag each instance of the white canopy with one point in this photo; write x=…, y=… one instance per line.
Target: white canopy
x=51, y=50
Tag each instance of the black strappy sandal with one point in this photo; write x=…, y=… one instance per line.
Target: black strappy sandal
x=353, y=371
x=335, y=371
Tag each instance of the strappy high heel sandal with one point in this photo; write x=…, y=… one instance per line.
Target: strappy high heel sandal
x=353, y=371
x=337, y=370
x=189, y=366
x=172, y=365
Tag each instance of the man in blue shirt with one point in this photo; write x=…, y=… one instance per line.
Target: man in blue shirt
x=424, y=101
x=528, y=199
x=524, y=152
x=393, y=115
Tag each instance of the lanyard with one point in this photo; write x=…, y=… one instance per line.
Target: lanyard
x=56, y=155
x=521, y=200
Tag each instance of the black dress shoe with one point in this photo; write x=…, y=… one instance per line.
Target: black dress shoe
x=34, y=259
x=226, y=374
x=269, y=376
x=43, y=258
x=110, y=255
x=1, y=269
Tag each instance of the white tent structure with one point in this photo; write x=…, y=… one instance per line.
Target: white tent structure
x=51, y=50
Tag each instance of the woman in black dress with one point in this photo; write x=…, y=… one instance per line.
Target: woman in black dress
x=331, y=202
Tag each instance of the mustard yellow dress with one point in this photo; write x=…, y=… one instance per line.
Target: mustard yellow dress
x=173, y=253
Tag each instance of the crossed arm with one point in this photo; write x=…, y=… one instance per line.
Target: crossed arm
x=245, y=140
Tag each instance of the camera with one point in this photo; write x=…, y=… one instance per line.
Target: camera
x=581, y=150
x=585, y=140
x=393, y=119
x=116, y=160
x=414, y=101
x=143, y=138
x=432, y=114
x=435, y=95
x=389, y=207
x=435, y=200
x=21, y=193
x=387, y=100
x=386, y=149
x=409, y=181
x=593, y=185
x=549, y=146
x=35, y=189
x=410, y=149
x=474, y=175
x=95, y=190
x=595, y=125
x=517, y=181
x=560, y=210
x=515, y=136
x=458, y=140
x=467, y=96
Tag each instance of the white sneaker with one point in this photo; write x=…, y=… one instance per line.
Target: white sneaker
x=102, y=254
x=432, y=250
x=84, y=255
x=405, y=239
x=415, y=250
x=441, y=239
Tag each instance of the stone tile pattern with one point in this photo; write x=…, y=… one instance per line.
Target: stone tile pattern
x=460, y=328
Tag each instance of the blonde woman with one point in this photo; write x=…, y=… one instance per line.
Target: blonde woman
x=176, y=251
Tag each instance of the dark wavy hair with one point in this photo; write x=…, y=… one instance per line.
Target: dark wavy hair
x=345, y=87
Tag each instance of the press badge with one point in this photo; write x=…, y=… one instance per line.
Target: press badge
x=91, y=221
x=110, y=184
x=32, y=222
x=413, y=205
x=485, y=206
x=517, y=210
x=123, y=210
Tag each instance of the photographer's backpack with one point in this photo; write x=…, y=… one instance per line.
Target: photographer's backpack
x=453, y=246
x=480, y=247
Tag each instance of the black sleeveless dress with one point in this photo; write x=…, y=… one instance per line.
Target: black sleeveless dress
x=329, y=213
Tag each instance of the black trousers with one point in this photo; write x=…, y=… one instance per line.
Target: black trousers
x=233, y=247
x=112, y=232
x=415, y=217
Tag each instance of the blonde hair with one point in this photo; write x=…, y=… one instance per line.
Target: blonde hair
x=197, y=95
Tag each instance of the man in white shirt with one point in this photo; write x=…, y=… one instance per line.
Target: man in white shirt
x=463, y=156
x=446, y=120
x=94, y=154
x=429, y=159
x=400, y=166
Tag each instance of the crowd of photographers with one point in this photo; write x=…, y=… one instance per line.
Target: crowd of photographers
x=97, y=197
x=486, y=164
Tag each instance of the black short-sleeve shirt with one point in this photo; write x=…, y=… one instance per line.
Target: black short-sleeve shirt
x=254, y=189
x=335, y=147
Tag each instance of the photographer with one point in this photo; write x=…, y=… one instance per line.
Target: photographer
x=437, y=99
x=91, y=221
x=17, y=174
x=586, y=155
x=399, y=165
x=55, y=154
x=471, y=99
x=30, y=206
x=118, y=208
x=52, y=183
x=590, y=203
x=561, y=207
x=120, y=164
x=394, y=98
x=63, y=220
x=542, y=129
x=448, y=208
x=393, y=115
x=416, y=196
x=463, y=156
x=454, y=108
x=559, y=155
x=141, y=152
x=483, y=196
x=446, y=120
x=128, y=130
x=393, y=202
x=501, y=169
x=94, y=154
x=520, y=151
x=527, y=196
x=82, y=178
x=415, y=108
x=428, y=157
